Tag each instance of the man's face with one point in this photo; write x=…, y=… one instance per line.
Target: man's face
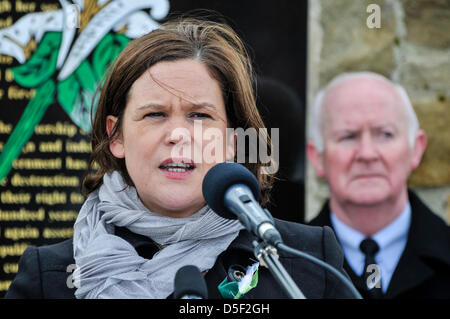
x=367, y=157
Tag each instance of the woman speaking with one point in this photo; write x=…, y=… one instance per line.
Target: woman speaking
x=145, y=216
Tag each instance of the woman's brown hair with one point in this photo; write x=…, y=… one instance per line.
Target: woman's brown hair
x=214, y=44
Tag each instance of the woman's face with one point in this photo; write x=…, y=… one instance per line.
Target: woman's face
x=173, y=132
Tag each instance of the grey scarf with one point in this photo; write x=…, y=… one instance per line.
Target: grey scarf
x=109, y=266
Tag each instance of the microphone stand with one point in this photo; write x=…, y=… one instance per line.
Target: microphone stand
x=268, y=257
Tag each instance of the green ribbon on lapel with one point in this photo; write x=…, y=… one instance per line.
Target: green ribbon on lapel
x=236, y=289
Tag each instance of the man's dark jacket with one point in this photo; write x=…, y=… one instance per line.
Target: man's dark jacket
x=43, y=271
x=423, y=270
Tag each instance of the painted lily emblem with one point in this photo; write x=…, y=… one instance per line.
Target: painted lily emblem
x=71, y=58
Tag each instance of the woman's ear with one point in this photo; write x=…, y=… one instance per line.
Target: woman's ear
x=116, y=144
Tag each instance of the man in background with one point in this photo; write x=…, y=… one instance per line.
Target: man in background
x=366, y=141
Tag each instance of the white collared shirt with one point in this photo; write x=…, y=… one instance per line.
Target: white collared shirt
x=391, y=240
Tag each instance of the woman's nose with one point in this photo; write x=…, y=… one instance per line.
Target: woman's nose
x=177, y=131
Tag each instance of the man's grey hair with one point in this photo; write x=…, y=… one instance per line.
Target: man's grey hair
x=316, y=117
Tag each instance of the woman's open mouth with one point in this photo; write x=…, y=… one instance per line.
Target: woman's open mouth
x=177, y=169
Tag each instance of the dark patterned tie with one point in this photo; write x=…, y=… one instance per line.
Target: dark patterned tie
x=371, y=276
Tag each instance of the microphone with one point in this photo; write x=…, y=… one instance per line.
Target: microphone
x=232, y=191
x=190, y=284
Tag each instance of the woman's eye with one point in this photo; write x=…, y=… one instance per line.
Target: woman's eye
x=155, y=114
x=199, y=115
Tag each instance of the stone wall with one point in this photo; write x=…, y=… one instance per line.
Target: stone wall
x=411, y=46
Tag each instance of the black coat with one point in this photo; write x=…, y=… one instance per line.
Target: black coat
x=43, y=270
x=423, y=270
